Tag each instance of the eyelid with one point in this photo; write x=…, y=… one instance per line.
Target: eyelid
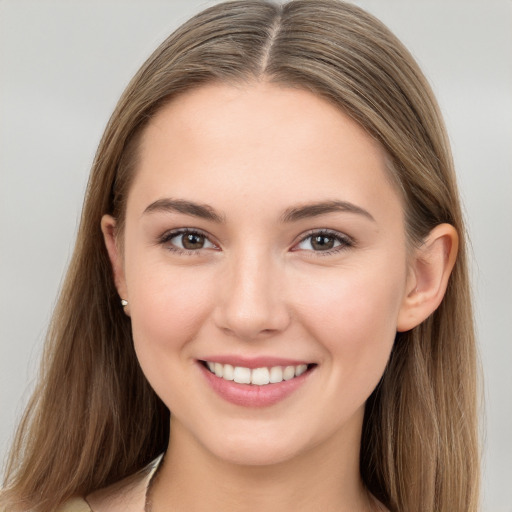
x=173, y=233
x=345, y=241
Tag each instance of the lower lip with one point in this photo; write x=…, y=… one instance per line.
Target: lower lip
x=251, y=395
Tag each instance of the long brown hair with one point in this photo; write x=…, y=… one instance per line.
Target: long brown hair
x=94, y=419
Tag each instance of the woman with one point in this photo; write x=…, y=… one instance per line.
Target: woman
x=272, y=249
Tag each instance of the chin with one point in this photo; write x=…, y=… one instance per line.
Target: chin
x=256, y=455
x=257, y=447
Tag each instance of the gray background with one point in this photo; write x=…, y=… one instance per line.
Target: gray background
x=63, y=65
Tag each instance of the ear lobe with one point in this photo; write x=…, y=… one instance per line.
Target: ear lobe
x=430, y=270
x=108, y=228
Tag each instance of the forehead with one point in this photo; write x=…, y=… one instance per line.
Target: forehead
x=278, y=144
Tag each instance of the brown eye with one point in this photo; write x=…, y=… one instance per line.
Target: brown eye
x=191, y=241
x=183, y=240
x=322, y=242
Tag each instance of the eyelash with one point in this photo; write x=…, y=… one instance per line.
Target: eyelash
x=168, y=236
x=345, y=242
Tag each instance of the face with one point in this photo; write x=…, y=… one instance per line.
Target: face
x=263, y=241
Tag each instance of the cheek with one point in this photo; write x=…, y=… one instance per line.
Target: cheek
x=167, y=306
x=353, y=316
x=168, y=309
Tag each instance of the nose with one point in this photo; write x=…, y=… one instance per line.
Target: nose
x=251, y=300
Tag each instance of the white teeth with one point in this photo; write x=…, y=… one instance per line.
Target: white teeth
x=256, y=376
x=219, y=369
x=260, y=376
x=289, y=372
x=242, y=375
x=229, y=372
x=299, y=370
x=276, y=374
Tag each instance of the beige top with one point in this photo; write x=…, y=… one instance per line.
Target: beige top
x=75, y=505
x=124, y=496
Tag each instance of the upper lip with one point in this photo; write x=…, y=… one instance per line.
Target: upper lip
x=255, y=362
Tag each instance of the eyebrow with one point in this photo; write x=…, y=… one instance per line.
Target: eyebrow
x=205, y=211
x=316, y=209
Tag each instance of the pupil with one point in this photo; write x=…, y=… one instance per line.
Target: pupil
x=193, y=241
x=322, y=243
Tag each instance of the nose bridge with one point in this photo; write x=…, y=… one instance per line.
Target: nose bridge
x=252, y=303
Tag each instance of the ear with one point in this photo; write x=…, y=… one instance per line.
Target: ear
x=430, y=270
x=108, y=228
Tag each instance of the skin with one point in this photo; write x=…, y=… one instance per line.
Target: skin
x=259, y=286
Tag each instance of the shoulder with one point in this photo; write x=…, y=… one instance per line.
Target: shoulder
x=125, y=496
x=74, y=505
x=128, y=495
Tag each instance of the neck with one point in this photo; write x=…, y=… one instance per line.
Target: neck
x=325, y=478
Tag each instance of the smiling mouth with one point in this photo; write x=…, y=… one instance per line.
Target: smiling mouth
x=256, y=376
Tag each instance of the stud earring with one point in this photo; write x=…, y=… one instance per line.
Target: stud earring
x=124, y=303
